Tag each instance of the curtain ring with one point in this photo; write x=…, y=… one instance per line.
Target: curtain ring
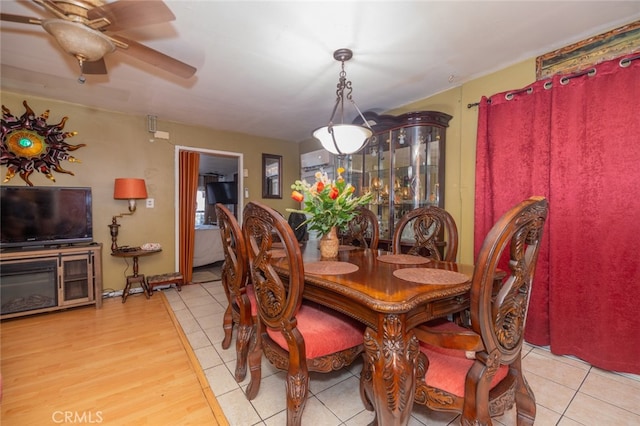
x=592, y=72
x=509, y=96
x=627, y=61
x=548, y=85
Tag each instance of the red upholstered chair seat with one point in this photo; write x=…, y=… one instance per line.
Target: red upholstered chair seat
x=325, y=331
x=448, y=372
x=448, y=367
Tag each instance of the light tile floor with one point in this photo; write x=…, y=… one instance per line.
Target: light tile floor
x=568, y=391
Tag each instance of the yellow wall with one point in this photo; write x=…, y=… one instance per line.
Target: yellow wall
x=118, y=145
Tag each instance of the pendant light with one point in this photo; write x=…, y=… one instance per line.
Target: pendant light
x=342, y=139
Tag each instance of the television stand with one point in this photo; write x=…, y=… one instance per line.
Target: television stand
x=44, y=279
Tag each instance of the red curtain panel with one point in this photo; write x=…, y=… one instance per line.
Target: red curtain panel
x=575, y=140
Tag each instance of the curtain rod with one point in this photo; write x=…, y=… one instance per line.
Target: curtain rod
x=625, y=62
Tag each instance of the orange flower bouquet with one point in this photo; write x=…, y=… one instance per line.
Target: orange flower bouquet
x=327, y=203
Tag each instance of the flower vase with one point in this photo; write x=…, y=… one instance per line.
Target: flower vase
x=329, y=244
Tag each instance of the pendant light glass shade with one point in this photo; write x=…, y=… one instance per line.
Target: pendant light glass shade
x=343, y=139
x=346, y=138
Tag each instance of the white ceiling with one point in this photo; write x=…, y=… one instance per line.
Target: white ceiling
x=266, y=67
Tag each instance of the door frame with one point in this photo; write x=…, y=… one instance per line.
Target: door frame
x=176, y=201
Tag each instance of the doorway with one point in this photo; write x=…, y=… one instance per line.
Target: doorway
x=217, y=163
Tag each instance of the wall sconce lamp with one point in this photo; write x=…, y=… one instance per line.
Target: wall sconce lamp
x=126, y=189
x=341, y=139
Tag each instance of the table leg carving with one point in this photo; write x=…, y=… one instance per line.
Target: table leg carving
x=389, y=383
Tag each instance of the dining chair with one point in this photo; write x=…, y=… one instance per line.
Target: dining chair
x=294, y=335
x=362, y=227
x=240, y=297
x=296, y=221
x=477, y=370
x=430, y=230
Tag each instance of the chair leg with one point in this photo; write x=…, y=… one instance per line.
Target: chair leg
x=242, y=350
x=525, y=400
x=365, y=384
x=366, y=389
x=297, y=387
x=255, y=367
x=476, y=398
x=227, y=325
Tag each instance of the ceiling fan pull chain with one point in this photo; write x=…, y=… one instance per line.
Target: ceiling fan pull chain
x=81, y=78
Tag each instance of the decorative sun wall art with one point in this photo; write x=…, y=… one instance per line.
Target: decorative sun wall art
x=30, y=144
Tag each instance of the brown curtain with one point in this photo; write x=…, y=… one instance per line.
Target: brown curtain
x=575, y=140
x=189, y=163
x=209, y=209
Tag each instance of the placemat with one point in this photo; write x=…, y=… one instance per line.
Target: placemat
x=430, y=276
x=403, y=259
x=330, y=267
x=344, y=247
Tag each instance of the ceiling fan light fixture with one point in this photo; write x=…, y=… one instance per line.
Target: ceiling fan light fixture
x=342, y=139
x=78, y=39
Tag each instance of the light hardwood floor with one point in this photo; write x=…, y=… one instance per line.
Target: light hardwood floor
x=122, y=364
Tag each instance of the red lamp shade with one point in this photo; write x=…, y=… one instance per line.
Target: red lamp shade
x=129, y=189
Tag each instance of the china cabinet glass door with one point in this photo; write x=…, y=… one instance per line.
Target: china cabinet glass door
x=403, y=165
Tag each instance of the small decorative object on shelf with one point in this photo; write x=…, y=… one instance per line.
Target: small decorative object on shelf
x=329, y=205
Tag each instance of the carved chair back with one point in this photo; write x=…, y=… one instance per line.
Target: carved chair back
x=234, y=281
x=434, y=233
x=278, y=301
x=362, y=227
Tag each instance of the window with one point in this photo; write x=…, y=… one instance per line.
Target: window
x=200, y=208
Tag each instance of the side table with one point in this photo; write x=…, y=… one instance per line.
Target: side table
x=136, y=277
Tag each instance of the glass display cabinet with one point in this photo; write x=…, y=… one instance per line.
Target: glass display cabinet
x=403, y=165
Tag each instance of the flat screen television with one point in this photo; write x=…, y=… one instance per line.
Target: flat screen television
x=222, y=192
x=33, y=216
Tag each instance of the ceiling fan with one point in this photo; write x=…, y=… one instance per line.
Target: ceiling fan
x=85, y=29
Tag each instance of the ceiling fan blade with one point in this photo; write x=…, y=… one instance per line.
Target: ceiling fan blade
x=127, y=14
x=156, y=58
x=98, y=67
x=21, y=19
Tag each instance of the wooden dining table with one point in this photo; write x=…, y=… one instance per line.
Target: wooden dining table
x=367, y=285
